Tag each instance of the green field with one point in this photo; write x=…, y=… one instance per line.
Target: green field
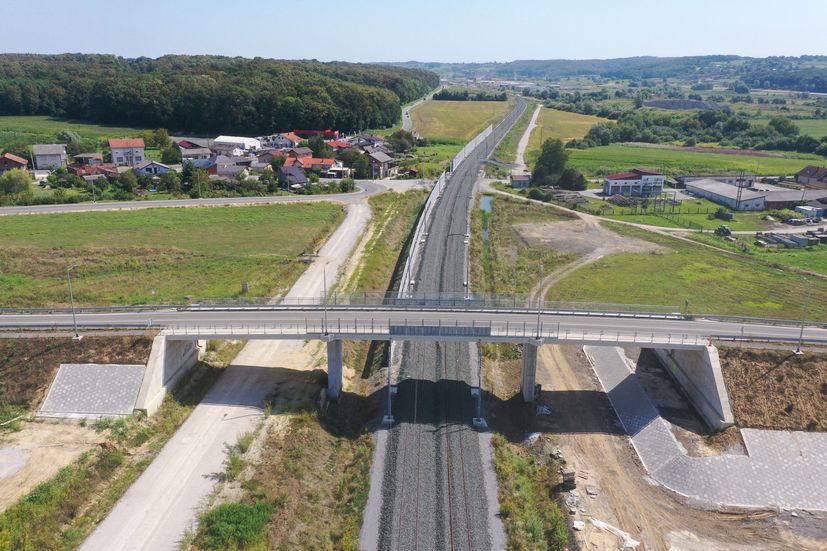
x=712, y=282
x=457, y=121
x=809, y=127
x=599, y=161
x=813, y=259
x=158, y=255
x=558, y=124
x=35, y=128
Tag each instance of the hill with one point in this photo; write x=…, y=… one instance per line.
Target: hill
x=209, y=93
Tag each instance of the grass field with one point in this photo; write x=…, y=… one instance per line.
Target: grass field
x=813, y=259
x=599, y=161
x=809, y=127
x=158, y=255
x=558, y=124
x=35, y=127
x=457, y=121
x=711, y=281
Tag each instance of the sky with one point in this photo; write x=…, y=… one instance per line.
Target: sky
x=421, y=30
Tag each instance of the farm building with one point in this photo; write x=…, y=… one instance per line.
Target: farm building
x=812, y=176
x=743, y=180
x=520, y=179
x=736, y=198
x=637, y=182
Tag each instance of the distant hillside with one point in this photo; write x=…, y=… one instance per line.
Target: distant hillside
x=805, y=73
x=209, y=93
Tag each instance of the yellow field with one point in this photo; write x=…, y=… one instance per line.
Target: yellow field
x=558, y=124
x=456, y=120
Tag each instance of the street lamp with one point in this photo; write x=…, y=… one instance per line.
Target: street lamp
x=324, y=304
x=77, y=336
x=797, y=350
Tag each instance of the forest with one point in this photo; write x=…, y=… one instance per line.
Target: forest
x=204, y=94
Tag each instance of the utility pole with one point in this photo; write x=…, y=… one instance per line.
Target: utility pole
x=797, y=350
x=77, y=336
x=324, y=295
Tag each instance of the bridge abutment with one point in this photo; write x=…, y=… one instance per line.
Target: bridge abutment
x=698, y=373
x=334, y=368
x=169, y=360
x=529, y=372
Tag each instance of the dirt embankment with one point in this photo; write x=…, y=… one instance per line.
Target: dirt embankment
x=775, y=389
x=28, y=366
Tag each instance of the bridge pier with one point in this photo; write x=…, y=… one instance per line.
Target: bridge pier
x=334, y=368
x=529, y=373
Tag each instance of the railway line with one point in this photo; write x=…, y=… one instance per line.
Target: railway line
x=433, y=491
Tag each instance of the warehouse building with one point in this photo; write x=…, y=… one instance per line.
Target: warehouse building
x=734, y=197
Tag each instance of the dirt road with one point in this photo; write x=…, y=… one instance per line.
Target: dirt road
x=162, y=504
x=592, y=441
x=524, y=139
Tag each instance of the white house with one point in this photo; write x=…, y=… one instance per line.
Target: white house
x=127, y=151
x=151, y=167
x=49, y=156
x=637, y=182
x=226, y=145
x=195, y=153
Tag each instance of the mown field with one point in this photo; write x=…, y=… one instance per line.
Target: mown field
x=456, y=121
x=558, y=124
x=711, y=281
x=35, y=128
x=158, y=255
x=599, y=161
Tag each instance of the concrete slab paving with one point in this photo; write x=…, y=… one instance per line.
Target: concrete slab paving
x=93, y=390
x=782, y=469
x=11, y=461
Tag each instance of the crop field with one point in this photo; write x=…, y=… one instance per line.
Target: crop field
x=558, y=124
x=158, y=255
x=711, y=281
x=457, y=121
x=599, y=161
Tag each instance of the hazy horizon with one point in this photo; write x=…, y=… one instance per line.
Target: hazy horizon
x=429, y=32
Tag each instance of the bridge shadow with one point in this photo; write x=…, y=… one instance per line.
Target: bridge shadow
x=444, y=402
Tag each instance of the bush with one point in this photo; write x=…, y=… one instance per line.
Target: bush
x=234, y=525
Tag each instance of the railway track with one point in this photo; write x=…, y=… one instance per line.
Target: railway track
x=433, y=492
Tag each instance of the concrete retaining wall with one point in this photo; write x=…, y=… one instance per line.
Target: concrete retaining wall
x=169, y=360
x=698, y=372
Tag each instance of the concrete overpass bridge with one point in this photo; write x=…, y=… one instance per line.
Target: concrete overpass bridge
x=686, y=340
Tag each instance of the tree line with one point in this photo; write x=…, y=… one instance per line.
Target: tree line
x=465, y=95
x=209, y=93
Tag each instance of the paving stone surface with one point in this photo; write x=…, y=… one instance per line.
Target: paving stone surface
x=783, y=469
x=93, y=390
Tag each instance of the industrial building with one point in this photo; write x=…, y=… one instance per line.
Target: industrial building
x=637, y=183
x=741, y=180
x=734, y=197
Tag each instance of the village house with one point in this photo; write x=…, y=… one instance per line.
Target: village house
x=10, y=161
x=127, y=151
x=49, y=156
x=285, y=140
x=381, y=165
x=299, y=152
x=192, y=153
x=152, y=168
x=291, y=176
x=88, y=159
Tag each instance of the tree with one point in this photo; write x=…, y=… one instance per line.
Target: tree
x=358, y=162
x=200, y=184
x=160, y=138
x=127, y=182
x=551, y=163
x=401, y=141
x=347, y=184
x=572, y=180
x=784, y=126
x=171, y=182
x=171, y=155
x=14, y=183
x=319, y=147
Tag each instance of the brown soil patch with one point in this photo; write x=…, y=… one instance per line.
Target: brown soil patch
x=48, y=447
x=28, y=366
x=582, y=237
x=775, y=389
x=593, y=444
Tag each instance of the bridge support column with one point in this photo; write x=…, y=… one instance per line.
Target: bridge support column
x=334, y=368
x=529, y=375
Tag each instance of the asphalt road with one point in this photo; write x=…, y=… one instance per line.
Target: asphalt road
x=365, y=188
x=433, y=492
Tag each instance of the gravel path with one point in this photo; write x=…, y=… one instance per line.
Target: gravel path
x=434, y=491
